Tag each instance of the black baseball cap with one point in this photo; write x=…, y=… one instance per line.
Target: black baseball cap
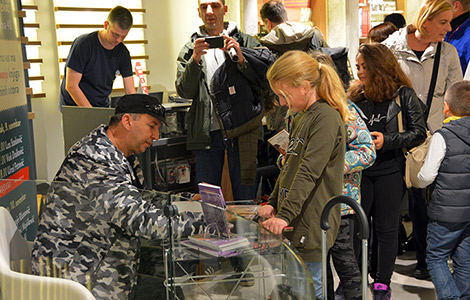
x=141, y=104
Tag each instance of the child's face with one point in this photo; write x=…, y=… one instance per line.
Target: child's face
x=291, y=96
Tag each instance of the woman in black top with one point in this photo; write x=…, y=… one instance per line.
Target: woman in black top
x=381, y=80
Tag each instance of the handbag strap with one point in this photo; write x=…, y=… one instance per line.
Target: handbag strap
x=399, y=117
x=432, y=86
x=400, y=120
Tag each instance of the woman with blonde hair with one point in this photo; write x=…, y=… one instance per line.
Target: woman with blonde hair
x=314, y=165
x=382, y=92
x=415, y=47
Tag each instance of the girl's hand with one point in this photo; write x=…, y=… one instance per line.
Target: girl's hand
x=275, y=225
x=266, y=211
x=378, y=139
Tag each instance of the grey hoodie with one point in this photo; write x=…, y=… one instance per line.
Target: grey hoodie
x=291, y=36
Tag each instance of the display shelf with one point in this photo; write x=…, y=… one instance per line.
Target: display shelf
x=273, y=268
x=386, y=12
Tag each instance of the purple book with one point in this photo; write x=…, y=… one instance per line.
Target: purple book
x=214, y=213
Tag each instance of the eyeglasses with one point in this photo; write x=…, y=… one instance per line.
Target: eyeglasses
x=159, y=109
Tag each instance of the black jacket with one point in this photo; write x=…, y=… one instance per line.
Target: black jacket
x=414, y=130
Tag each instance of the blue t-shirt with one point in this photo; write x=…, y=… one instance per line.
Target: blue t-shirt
x=98, y=66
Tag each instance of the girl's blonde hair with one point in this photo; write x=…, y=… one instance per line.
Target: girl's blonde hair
x=295, y=67
x=428, y=11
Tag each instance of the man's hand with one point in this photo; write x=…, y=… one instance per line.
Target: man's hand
x=275, y=225
x=200, y=48
x=231, y=43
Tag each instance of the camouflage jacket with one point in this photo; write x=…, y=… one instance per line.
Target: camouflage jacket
x=94, y=216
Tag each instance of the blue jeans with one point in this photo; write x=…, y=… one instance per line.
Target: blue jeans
x=210, y=163
x=315, y=271
x=452, y=240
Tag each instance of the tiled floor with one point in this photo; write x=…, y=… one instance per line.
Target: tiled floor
x=405, y=286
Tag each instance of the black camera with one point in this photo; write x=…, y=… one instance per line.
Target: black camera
x=215, y=41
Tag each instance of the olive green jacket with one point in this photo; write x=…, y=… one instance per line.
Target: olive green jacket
x=311, y=175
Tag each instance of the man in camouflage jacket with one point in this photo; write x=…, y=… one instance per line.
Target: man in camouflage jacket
x=95, y=213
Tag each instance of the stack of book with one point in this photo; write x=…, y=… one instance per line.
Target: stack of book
x=216, y=246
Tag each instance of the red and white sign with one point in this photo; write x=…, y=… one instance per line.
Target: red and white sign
x=140, y=74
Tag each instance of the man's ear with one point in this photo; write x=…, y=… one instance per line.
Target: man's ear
x=269, y=24
x=127, y=121
x=106, y=25
x=457, y=6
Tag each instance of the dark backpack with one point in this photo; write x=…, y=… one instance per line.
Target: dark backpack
x=339, y=55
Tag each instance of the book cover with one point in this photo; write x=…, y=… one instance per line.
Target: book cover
x=209, y=251
x=280, y=141
x=221, y=244
x=214, y=209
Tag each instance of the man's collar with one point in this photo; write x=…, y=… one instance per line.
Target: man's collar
x=229, y=28
x=456, y=22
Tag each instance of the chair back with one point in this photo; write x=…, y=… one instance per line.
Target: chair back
x=20, y=286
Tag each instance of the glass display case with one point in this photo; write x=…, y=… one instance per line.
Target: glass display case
x=265, y=269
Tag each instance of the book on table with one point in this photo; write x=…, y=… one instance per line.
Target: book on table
x=209, y=251
x=220, y=244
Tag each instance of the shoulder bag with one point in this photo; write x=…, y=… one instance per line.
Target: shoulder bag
x=414, y=158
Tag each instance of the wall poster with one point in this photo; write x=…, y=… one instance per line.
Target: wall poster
x=16, y=154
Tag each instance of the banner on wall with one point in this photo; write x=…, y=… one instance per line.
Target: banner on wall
x=16, y=156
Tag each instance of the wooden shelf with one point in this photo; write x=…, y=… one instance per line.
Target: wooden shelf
x=36, y=78
x=31, y=25
x=21, y=14
x=81, y=26
x=34, y=43
x=38, y=95
x=26, y=41
x=94, y=9
x=68, y=43
x=35, y=60
x=29, y=7
x=145, y=72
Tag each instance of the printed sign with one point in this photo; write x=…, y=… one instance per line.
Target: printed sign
x=16, y=154
x=140, y=74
